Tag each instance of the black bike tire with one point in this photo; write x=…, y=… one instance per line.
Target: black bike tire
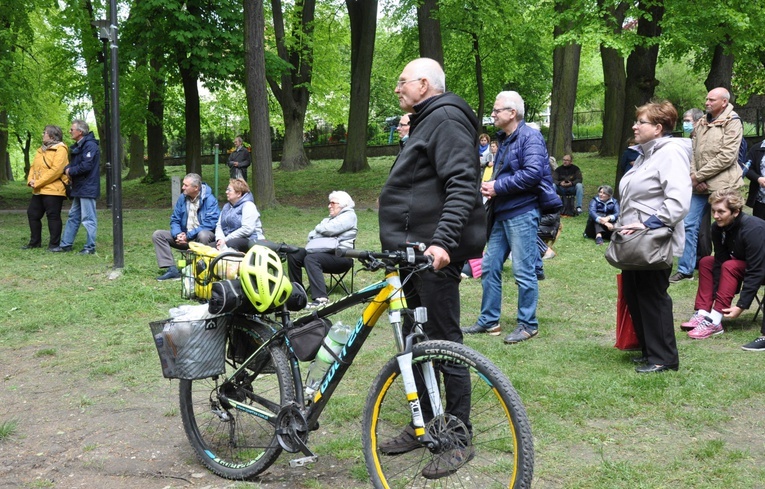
x=490, y=438
x=206, y=435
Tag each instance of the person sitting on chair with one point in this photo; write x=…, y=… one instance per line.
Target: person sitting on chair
x=239, y=221
x=738, y=261
x=193, y=219
x=568, y=181
x=318, y=257
x=604, y=211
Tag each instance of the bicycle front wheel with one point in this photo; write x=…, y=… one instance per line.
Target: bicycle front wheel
x=494, y=449
x=232, y=443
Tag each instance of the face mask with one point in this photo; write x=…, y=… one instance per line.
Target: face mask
x=687, y=126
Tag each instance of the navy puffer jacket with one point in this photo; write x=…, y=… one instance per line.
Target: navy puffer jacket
x=84, y=158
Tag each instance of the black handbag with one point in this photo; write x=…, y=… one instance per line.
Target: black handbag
x=645, y=249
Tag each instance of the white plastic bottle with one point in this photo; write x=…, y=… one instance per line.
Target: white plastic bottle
x=335, y=340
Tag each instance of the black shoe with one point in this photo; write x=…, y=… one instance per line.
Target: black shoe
x=30, y=247
x=60, y=249
x=653, y=368
x=87, y=252
x=679, y=277
x=495, y=330
x=521, y=333
x=640, y=360
x=403, y=443
x=447, y=463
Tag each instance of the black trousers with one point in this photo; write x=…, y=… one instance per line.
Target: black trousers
x=45, y=205
x=440, y=294
x=316, y=265
x=651, y=309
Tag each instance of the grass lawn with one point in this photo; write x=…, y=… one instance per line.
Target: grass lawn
x=596, y=423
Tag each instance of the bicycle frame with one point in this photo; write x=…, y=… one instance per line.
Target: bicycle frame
x=387, y=294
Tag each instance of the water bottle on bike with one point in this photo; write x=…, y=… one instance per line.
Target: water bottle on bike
x=334, y=341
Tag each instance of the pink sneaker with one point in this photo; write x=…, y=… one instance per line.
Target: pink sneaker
x=692, y=323
x=705, y=329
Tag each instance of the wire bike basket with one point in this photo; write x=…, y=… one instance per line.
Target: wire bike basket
x=191, y=349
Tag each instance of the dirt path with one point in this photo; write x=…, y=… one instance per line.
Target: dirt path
x=80, y=433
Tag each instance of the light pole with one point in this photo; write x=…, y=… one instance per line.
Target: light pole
x=104, y=34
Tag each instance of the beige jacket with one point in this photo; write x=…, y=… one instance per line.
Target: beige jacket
x=715, y=151
x=659, y=184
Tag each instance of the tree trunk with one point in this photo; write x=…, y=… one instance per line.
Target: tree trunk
x=155, y=123
x=135, y=165
x=93, y=56
x=5, y=173
x=292, y=94
x=257, y=104
x=563, y=97
x=641, y=73
x=479, y=81
x=363, y=18
x=25, y=145
x=721, y=70
x=429, y=28
x=193, y=124
x=614, y=78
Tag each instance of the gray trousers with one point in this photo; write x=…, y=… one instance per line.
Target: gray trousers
x=164, y=242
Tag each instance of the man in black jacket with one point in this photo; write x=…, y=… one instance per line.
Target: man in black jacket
x=432, y=196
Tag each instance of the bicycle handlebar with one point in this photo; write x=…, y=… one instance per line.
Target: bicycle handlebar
x=399, y=257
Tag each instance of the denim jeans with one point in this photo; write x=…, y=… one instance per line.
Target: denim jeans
x=82, y=211
x=577, y=190
x=518, y=235
x=692, y=221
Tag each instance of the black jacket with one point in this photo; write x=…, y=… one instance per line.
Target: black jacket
x=754, y=158
x=743, y=240
x=432, y=193
x=84, y=161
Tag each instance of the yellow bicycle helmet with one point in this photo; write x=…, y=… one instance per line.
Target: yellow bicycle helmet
x=263, y=278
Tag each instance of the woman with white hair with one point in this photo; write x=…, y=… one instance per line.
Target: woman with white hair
x=318, y=257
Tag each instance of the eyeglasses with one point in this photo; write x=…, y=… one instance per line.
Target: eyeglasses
x=333, y=203
x=401, y=83
x=497, y=111
x=403, y=125
x=229, y=189
x=640, y=123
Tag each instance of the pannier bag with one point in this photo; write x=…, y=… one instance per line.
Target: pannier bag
x=197, y=277
x=191, y=349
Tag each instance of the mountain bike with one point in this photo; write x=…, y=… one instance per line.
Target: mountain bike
x=241, y=421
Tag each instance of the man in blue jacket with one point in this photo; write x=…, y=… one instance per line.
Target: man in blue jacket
x=519, y=168
x=83, y=172
x=194, y=218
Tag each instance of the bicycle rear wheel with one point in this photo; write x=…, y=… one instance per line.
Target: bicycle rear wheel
x=498, y=453
x=232, y=443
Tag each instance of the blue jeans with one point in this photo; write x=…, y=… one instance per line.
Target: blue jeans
x=692, y=222
x=577, y=190
x=82, y=211
x=518, y=235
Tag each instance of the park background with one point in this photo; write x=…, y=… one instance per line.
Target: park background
x=82, y=400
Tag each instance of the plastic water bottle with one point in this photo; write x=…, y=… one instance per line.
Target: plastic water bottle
x=335, y=340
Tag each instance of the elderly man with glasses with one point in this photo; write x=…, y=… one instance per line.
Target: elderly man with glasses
x=521, y=164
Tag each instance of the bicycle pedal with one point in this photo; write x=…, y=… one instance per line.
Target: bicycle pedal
x=301, y=462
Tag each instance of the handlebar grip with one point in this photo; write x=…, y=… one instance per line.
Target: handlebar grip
x=352, y=253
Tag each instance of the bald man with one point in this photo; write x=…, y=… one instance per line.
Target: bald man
x=714, y=166
x=432, y=196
